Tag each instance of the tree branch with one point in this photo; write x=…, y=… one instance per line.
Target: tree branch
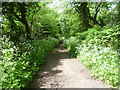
x=97, y=10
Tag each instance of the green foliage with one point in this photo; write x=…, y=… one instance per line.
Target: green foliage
x=27, y=20
x=69, y=22
x=100, y=36
x=97, y=49
x=103, y=61
x=71, y=43
x=45, y=21
x=29, y=25
x=17, y=69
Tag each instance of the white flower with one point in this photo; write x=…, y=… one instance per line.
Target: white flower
x=9, y=58
x=88, y=54
x=13, y=68
x=115, y=52
x=11, y=63
x=105, y=49
x=11, y=49
x=4, y=50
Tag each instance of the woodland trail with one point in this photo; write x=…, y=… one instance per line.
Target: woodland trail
x=61, y=70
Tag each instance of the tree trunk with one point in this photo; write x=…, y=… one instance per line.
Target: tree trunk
x=28, y=33
x=23, y=11
x=118, y=12
x=84, y=11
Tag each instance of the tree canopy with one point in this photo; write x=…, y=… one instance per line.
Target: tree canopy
x=30, y=30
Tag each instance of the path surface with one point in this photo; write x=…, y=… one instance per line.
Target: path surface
x=63, y=71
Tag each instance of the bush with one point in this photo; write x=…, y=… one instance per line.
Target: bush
x=17, y=69
x=103, y=61
x=71, y=43
x=97, y=49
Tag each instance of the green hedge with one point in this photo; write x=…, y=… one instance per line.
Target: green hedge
x=16, y=70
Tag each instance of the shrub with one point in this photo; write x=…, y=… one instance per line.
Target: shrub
x=17, y=69
x=71, y=43
x=97, y=49
x=103, y=61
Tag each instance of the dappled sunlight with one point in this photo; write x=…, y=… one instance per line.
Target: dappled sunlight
x=41, y=42
x=63, y=71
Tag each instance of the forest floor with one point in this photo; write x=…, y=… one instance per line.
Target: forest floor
x=61, y=70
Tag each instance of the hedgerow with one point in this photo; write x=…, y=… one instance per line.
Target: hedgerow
x=18, y=69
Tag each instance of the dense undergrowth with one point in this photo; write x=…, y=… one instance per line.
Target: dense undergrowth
x=17, y=69
x=28, y=27
x=97, y=49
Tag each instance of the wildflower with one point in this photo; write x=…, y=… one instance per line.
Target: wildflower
x=11, y=63
x=9, y=58
x=11, y=49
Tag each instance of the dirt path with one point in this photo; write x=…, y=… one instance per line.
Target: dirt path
x=62, y=71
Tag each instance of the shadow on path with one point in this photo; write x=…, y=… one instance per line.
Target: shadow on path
x=60, y=70
x=48, y=68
